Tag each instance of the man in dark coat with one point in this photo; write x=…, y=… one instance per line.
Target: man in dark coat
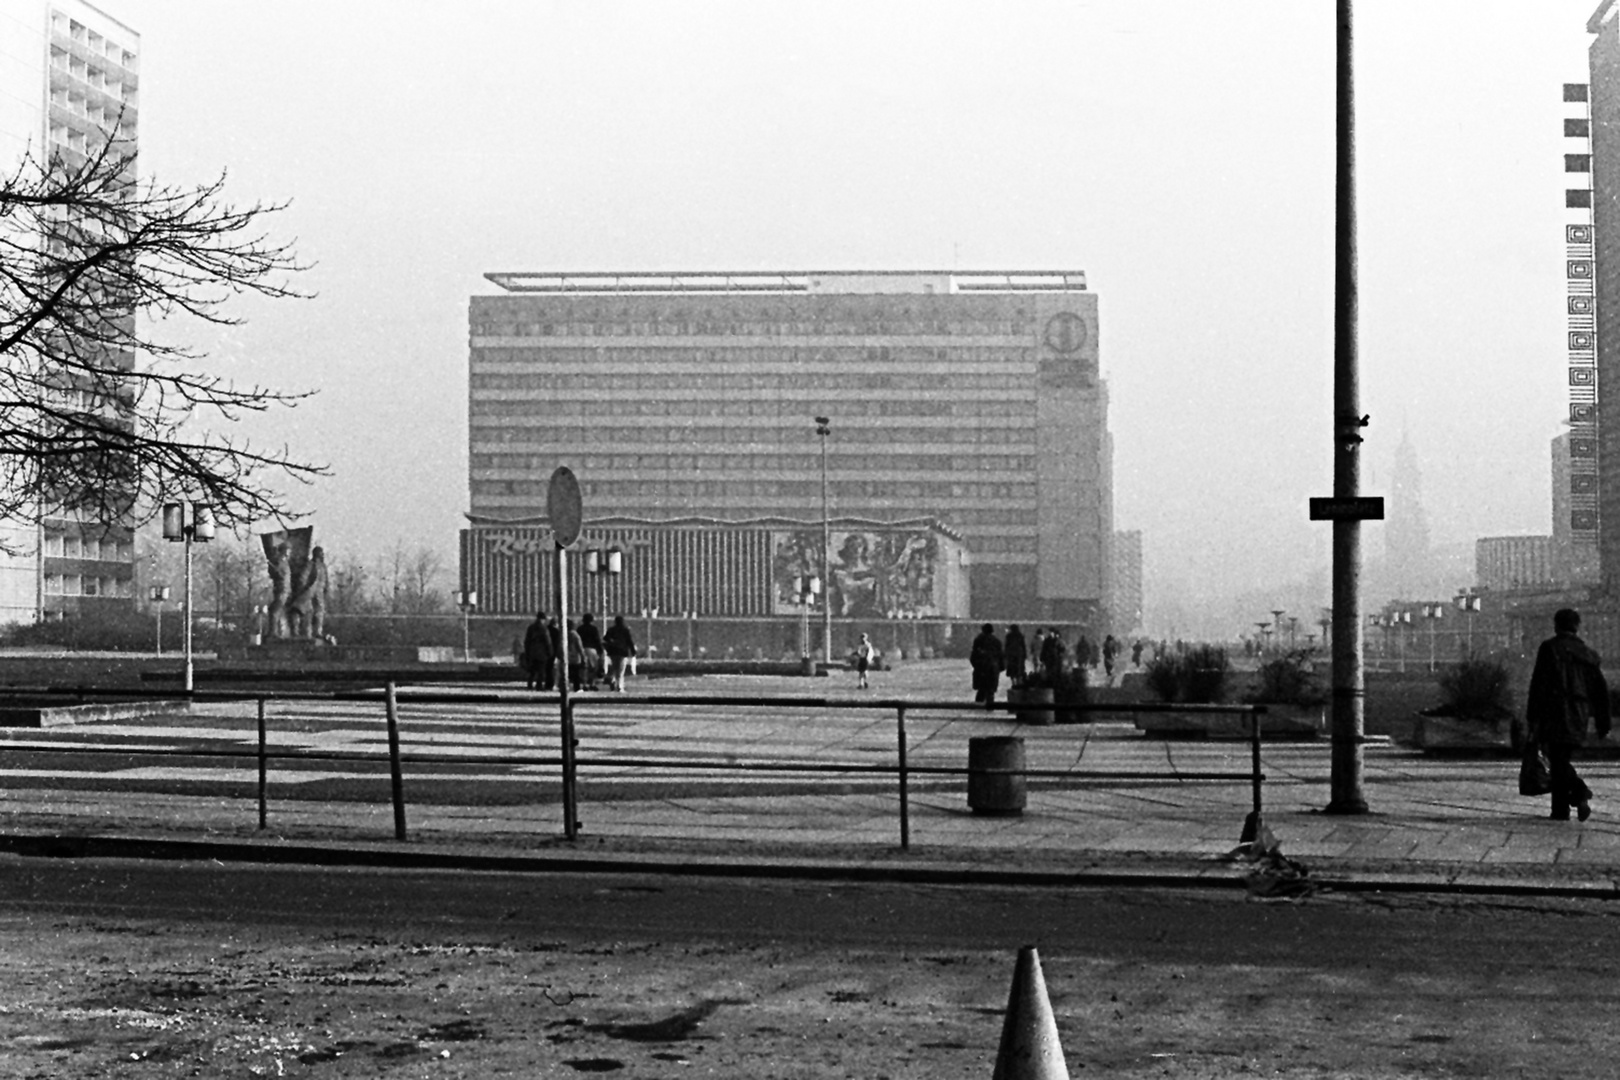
x=537, y=655
x=987, y=662
x=1567, y=695
x=620, y=648
x=1015, y=655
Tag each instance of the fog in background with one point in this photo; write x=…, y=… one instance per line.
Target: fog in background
x=1180, y=153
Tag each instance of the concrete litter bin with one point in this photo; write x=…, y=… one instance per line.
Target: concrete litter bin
x=996, y=775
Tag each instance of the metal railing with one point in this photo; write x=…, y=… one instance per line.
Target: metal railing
x=391, y=698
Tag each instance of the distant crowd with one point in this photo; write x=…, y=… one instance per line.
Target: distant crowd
x=1045, y=661
x=594, y=656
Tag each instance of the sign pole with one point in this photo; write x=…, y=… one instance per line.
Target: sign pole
x=565, y=511
x=1349, y=686
x=570, y=817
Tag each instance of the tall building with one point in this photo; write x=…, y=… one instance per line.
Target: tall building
x=1575, y=551
x=968, y=398
x=1127, y=581
x=68, y=79
x=1509, y=563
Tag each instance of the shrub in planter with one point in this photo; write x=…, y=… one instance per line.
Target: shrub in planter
x=1289, y=680
x=1195, y=677
x=1475, y=689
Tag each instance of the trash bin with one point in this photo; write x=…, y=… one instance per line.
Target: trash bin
x=996, y=775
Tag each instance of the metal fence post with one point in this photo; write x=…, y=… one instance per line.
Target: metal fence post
x=264, y=772
x=393, y=764
x=905, y=802
x=1251, y=824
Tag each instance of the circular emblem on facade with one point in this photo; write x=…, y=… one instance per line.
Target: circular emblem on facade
x=1066, y=332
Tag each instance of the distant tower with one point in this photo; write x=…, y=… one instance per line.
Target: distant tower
x=1406, y=532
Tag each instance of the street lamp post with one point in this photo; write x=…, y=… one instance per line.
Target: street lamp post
x=1432, y=613
x=1261, y=630
x=188, y=522
x=1468, y=602
x=160, y=593
x=824, y=429
x=1277, y=623
x=466, y=600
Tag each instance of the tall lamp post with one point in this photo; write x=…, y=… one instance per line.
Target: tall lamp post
x=1433, y=612
x=160, y=593
x=824, y=429
x=1261, y=630
x=466, y=600
x=1468, y=602
x=188, y=522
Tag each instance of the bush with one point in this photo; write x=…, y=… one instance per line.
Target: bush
x=1288, y=680
x=1475, y=688
x=1195, y=677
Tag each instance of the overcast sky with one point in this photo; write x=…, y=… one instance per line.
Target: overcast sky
x=1179, y=152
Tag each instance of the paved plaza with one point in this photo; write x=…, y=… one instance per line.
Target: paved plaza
x=664, y=783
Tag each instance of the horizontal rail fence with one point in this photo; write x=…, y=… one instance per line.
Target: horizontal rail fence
x=391, y=698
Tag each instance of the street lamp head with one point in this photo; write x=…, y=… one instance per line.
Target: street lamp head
x=174, y=521
x=615, y=560
x=202, y=522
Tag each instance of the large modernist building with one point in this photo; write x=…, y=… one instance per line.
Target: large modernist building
x=68, y=77
x=968, y=399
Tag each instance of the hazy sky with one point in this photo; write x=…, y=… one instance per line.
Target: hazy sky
x=1180, y=152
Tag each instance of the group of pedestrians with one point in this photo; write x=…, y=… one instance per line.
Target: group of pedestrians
x=1046, y=659
x=593, y=656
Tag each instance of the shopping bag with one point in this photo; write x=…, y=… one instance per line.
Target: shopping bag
x=1535, y=775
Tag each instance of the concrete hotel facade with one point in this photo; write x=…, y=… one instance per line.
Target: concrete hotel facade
x=972, y=398
x=68, y=76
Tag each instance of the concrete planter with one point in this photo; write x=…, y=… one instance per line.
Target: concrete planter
x=1032, y=704
x=1462, y=735
x=1280, y=722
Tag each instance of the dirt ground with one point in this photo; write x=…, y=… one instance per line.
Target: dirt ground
x=87, y=996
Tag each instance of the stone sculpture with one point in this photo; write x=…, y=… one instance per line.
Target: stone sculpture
x=297, y=585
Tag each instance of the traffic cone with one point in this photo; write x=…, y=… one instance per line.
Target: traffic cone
x=1030, y=1049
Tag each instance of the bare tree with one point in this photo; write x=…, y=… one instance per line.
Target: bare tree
x=409, y=580
x=101, y=412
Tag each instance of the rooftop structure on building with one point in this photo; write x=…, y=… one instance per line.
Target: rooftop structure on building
x=970, y=398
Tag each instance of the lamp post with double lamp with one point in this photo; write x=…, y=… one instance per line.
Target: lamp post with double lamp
x=1433, y=612
x=807, y=589
x=188, y=522
x=650, y=613
x=824, y=429
x=466, y=600
x=1469, y=602
x=160, y=593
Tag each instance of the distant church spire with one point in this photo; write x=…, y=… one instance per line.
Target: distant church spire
x=1406, y=531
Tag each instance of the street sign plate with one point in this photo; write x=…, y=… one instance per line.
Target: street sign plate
x=1348, y=508
x=563, y=506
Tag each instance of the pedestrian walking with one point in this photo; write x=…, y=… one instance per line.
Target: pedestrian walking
x=1136, y=653
x=987, y=660
x=1109, y=652
x=865, y=653
x=1015, y=655
x=576, y=659
x=590, y=635
x=620, y=647
x=1568, y=694
x=537, y=655
x=1052, y=655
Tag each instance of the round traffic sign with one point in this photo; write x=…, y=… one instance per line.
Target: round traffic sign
x=563, y=506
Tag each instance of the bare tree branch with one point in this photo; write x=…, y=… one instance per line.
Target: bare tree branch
x=103, y=414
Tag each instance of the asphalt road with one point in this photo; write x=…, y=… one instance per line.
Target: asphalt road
x=218, y=970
